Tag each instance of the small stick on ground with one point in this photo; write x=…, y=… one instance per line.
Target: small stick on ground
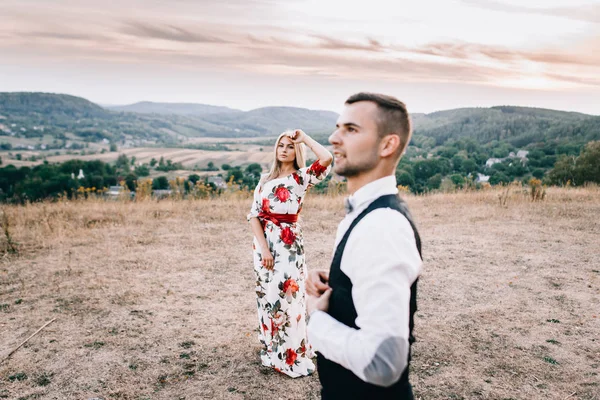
x=26, y=340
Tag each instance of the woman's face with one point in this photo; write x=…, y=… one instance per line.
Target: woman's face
x=286, y=152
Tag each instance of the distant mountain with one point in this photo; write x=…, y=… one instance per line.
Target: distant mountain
x=49, y=105
x=274, y=120
x=258, y=122
x=147, y=107
x=64, y=115
x=517, y=125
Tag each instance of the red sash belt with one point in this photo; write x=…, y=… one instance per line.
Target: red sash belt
x=277, y=219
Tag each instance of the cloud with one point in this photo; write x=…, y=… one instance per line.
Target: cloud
x=575, y=79
x=587, y=13
x=287, y=50
x=322, y=42
x=466, y=51
x=326, y=42
x=62, y=35
x=168, y=32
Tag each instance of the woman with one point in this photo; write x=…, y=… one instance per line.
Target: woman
x=279, y=253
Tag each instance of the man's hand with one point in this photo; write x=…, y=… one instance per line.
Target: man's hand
x=321, y=303
x=317, y=283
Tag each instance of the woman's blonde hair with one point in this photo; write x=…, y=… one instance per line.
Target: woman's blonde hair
x=299, y=161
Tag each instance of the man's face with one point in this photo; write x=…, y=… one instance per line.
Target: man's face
x=355, y=140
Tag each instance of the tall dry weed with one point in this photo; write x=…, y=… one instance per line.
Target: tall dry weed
x=8, y=244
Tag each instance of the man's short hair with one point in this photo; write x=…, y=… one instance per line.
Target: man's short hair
x=393, y=117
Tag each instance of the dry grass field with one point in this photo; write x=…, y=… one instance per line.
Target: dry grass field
x=155, y=300
x=188, y=157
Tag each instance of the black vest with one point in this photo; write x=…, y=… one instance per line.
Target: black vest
x=337, y=381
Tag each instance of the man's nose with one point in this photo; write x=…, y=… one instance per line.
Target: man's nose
x=334, y=138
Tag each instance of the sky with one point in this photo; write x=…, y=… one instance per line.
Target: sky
x=245, y=54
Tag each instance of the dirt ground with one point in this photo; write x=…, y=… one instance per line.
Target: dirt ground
x=155, y=300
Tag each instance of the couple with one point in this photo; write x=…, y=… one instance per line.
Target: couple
x=361, y=311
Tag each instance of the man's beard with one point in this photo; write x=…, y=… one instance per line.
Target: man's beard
x=350, y=170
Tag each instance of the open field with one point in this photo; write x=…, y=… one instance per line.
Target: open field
x=155, y=300
x=241, y=151
x=188, y=157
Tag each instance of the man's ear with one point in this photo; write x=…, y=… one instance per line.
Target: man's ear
x=390, y=144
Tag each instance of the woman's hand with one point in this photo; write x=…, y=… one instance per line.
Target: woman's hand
x=298, y=136
x=325, y=157
x=267, y=259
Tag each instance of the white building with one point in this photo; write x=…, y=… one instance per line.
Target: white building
x=115, y=190
x=481, y=178
x=492, y=161
x=218, y=182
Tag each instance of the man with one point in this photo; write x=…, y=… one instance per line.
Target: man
x=361, y=312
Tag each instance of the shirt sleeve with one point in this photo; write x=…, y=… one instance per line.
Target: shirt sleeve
x=256, y=201
x=382, y=261
x=313, y=174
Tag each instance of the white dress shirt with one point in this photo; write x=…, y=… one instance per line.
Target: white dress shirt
x=382, y=261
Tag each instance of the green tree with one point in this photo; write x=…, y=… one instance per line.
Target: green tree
x=142, y=170
x=538, y=173
x=236, y=173
x=113, y=147
x=457, y=163
x=122, y=163
x=160, y=183
x=405, y=178
x=130, y=181
x=447, y=152
x=254, y=169
x=458, y=180
x=194, y=178
x=589, y=163
x=96, y=181
x=547, y=161
x=425, y=169
x=578, y=170
x=563, y=171
x=469, y=166
x=434, y=182
x=499, y=178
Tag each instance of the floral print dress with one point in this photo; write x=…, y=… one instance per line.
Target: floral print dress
x=280, y=290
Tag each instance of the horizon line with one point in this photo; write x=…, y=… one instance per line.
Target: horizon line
x=108, y=106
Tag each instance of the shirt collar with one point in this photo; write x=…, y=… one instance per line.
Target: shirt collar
x=371, y=191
